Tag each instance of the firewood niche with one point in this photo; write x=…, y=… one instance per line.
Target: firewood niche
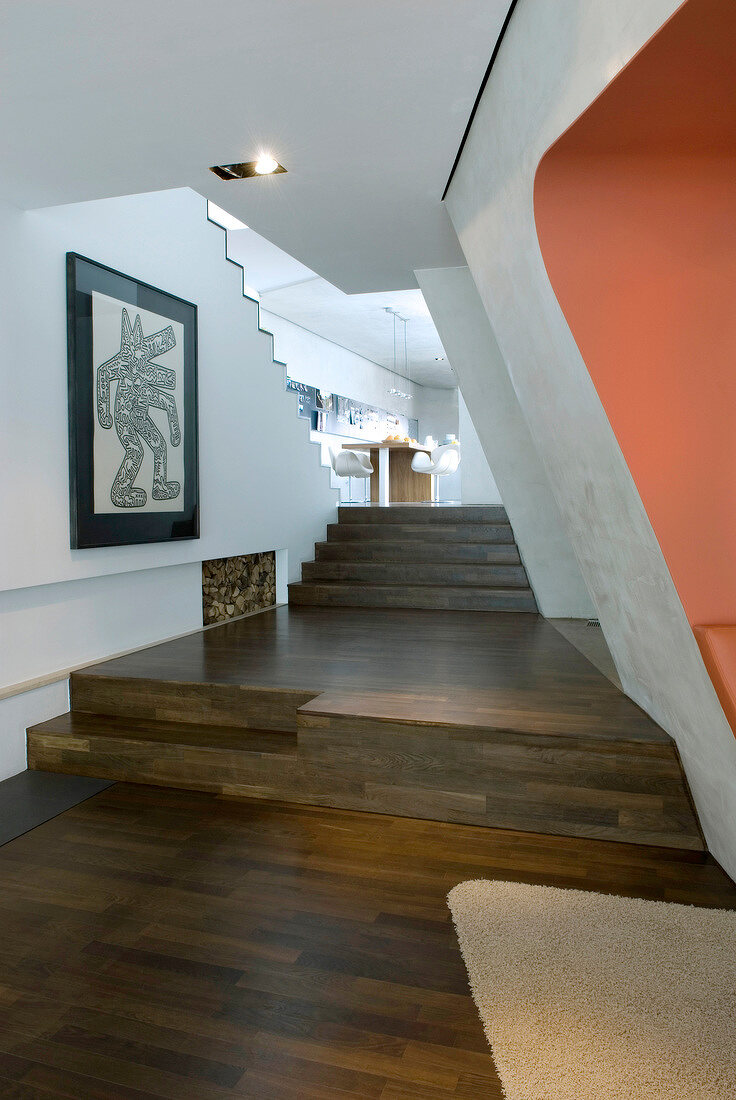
x=235, y=586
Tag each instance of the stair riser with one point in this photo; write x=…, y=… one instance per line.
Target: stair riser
x=532, y=789
x=490, y=513
x=430, y=598
x=401, y=532
x=447, y=553
x=417, y=573
x=212, y=704
x=399, y=769
x=162, y=765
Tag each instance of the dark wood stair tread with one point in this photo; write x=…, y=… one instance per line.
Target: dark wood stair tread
x=491, y=590
x=419, y=596
x=512, y=712
x=422, y=513
x=465, y=574
x=436, y=532
x=449, y=553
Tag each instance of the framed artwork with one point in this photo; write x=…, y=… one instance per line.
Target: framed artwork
x=133, y=449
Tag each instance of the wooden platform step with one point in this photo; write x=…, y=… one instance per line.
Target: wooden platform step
x=414, y=551
x=190, y=702
x=623, y=789
x=421, y=532
x=187, y=755
x=408, y=573
x=423, y=514
x=488, y=720
x=355, y=751
x=420, y=596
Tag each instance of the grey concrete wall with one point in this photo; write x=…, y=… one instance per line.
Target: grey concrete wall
x=555, y=59
x=477, y=483
x=471, y=347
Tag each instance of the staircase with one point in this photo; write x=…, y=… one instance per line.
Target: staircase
x=450, y=557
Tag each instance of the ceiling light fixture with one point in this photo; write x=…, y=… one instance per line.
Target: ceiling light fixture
x=266, y=165
x=395, y=391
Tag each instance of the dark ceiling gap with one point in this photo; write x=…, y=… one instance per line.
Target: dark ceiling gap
x=482, y=88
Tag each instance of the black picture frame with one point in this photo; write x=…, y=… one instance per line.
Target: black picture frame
x=128, y=524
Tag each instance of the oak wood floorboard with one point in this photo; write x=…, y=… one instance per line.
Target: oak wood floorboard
x=168, y=943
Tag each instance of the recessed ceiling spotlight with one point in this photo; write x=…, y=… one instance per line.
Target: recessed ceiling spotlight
x=266, y=165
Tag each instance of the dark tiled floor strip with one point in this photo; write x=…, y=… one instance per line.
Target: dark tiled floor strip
x=30, y=798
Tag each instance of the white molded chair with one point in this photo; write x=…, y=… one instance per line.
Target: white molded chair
x=443, y=460
x=350, y=464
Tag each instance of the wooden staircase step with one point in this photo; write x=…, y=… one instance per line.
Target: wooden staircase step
x=355, y=751
x=187, y=755
x=470, y=715
x=428, y=596
x=188, y=701
x=434, y=573
x=79, y=724
x=624, y=789
x=414, y=551
x=530, y=736
x=422, y=532
x=423, y=513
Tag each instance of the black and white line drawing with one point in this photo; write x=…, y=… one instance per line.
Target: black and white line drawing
x=141, y=386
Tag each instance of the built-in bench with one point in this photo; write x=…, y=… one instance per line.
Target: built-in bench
x=718, y=647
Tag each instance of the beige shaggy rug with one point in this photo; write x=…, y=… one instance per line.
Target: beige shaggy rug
x=589, y=997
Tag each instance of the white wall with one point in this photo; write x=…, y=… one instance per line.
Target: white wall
x=330, y=367
x=437, y=413
x=20, y=711
x=555, y=59
x=477, y=483
x=261, y=483
x=56, y=626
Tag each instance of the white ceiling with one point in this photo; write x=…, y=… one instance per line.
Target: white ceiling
x=364, y=103
x=358, y=322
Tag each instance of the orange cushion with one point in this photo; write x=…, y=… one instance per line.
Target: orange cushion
x=718, y=647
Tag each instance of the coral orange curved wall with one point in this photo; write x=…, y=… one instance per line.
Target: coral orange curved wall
x=636, y=215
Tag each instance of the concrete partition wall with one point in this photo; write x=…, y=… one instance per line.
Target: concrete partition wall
x=554, y=61
x=468, y=339
x=477, y=483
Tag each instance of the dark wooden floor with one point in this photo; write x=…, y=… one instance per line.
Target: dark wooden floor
x=509, y=669
x=161, y=943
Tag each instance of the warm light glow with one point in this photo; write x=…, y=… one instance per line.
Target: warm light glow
x=266, y=164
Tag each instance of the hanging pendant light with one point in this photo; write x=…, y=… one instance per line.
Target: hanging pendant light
x=395, y=391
